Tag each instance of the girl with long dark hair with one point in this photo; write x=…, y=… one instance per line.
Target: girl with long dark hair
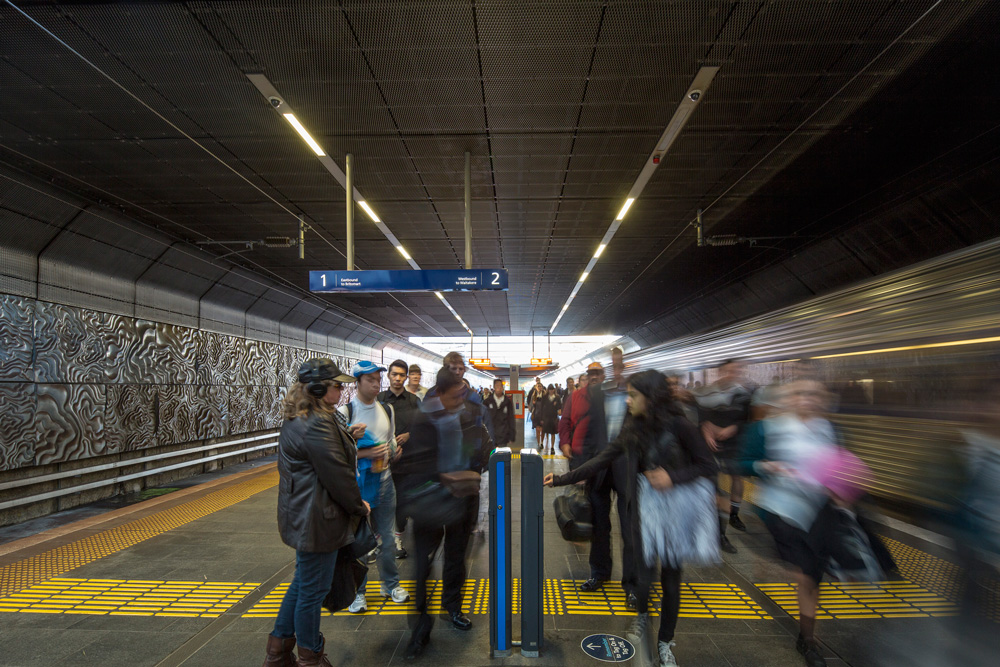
x=663, y=447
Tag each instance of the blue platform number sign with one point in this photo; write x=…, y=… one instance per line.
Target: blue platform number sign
x=608, y=648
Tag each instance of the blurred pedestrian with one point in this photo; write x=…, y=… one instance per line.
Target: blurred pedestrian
x=501, y=410
x=439, y=476
x=658, y=443
x=548, y=412
x=724, y=412
x=319, y=507
x=794, y=504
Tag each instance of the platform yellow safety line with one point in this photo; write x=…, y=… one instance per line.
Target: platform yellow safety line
x=128, y=597
x=560, y=597
x=883, y=599
x=698, y=600
x=55, y=562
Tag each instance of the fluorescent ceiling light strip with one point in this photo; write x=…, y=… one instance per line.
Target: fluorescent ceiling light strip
x=368, y=209
x=278, y=103
x=621, y=213
x=583, y=277
x=402, y=251
x=685, y=109
x=294, y=122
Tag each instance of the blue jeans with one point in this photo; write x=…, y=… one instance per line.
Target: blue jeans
x=302, y=605
x=383, y=518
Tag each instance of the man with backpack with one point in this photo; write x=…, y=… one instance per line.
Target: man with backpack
x=377, y=448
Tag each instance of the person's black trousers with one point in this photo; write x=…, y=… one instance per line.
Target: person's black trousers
x=599, y=495
x=456, y=540
x=670, y=581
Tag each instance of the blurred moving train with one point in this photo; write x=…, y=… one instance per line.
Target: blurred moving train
x=908, y=356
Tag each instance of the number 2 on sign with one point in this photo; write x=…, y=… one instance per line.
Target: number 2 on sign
x=496, y=278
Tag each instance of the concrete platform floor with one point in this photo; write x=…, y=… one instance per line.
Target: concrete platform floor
x=193, y=578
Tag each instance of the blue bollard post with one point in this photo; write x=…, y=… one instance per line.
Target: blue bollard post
x=501, y=584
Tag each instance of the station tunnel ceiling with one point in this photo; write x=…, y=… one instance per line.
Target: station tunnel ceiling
x=823, y=117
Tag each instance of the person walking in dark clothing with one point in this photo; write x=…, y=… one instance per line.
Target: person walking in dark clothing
x=668, y=451
x=404, y=405
x=501, y=410
x=439, y=479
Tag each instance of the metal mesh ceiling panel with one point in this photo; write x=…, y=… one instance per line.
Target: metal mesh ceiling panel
x=560, y=104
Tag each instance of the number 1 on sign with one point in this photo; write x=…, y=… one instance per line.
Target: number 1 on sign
x=324, y=279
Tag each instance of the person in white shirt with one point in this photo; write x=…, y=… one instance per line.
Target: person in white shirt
x=376, y=449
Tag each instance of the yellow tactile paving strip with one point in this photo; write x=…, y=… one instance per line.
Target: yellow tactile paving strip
x=126, y=597
x=884, y=599
x=473, y=591
x=698, y=600
x=55, y=562
x=561, y=597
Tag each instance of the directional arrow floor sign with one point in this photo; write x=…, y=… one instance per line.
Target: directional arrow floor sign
x=608, y=648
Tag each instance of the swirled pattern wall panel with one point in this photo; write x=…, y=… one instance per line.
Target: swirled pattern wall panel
x=190, y=413
x=69, y=422
x=71, y=344
x=130, y=417
x=17, y=316
x=17, y=425
x=111, y=383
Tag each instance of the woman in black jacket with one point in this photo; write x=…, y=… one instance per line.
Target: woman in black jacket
x=319, y=507
x=660, y=444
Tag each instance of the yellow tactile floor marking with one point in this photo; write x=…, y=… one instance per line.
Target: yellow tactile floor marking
x=884, y=599
x=127, y=597
x=380, y=606
x=43, y=567
x=561, y=597
x=698, y=600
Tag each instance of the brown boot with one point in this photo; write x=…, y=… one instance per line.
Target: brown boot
x=309, y=659
x=279, y=652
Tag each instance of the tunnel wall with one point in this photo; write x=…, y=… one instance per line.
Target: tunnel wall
x=118, y=342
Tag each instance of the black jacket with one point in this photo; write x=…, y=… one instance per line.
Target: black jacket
x=318, y=494
x=679, y=449
x=405, y=406
x=502, y=416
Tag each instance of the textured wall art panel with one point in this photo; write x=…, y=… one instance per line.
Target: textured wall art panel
x=257, y=363
x=272, y=417
x=189, y=413
x=215, y=360
x=69, y=422
x=17, y=425
x=17, y=316
x=147, y=352
x=130, y=417
x=241, y=415
x=70, y=343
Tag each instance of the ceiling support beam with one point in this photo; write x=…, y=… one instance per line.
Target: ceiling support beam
x=349, y=189
x=468, y=210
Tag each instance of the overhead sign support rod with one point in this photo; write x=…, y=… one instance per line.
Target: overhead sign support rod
x=349, y=188
x=468, y=210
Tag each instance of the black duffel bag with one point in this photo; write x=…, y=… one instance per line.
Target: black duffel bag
x=574, y=515
x=347, y=577
x=432, y=504
x=364, y=541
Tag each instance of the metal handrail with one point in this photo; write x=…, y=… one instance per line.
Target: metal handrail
x=27, y=500
x=29, y=481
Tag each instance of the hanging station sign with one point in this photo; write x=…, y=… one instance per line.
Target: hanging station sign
x=434, y=280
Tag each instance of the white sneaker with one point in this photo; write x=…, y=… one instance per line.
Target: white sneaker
x=398, y=595
x=359, y=605
x=667, y=658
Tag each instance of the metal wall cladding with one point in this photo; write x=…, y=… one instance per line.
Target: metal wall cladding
x=17, y=419
x=17, y=316
x=71, y=344
x=111, y=383
x=69, y=422
x=130, y=417
x=189, y=413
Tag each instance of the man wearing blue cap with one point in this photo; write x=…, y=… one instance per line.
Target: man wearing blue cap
x=376, y=449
